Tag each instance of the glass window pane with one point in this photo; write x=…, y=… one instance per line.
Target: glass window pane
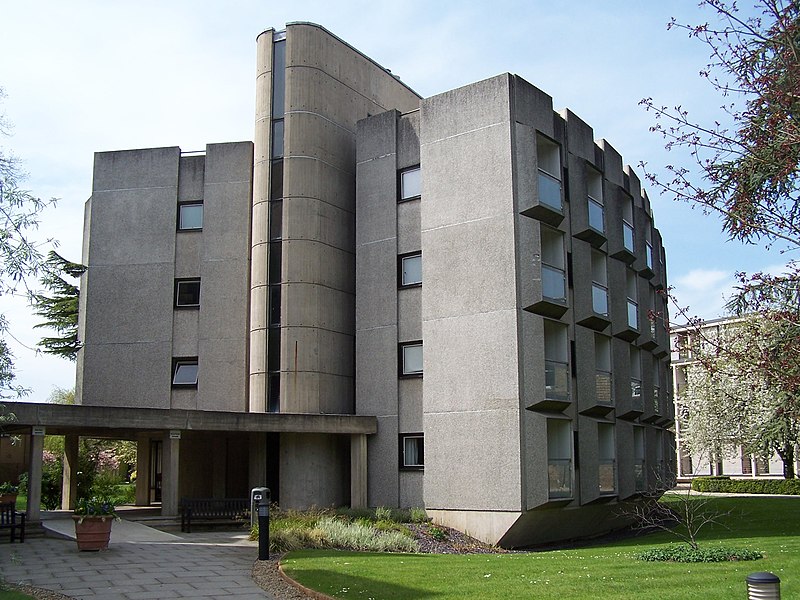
x=549, y=191
x=185, y=373
x=633, y=316
x=274, y=401
x=599, y=299
x=277, y=138
x=554, y=283
x=190, y=216
x=412, y=270
x=649, y=255
x=603, y=387
x=275, y=220
x=413, y=452
x=627, y=236
x=410, y=184
x=275, y=304
x=278, y=78
x=412, y=359
x=187, y=293
x=556, y=380
x=596, y=217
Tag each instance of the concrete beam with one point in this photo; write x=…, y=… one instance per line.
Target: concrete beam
x=62, y=419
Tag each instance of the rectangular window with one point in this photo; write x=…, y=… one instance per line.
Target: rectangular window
x=184, y=372
x=411, y=359
x=556, y=361
x=554, y=274
x=648, y=253
x=190, y=216
x=410, y=269
x=559, y=458
x=606, y=453
x=412, y=450
x=594, y=183
x=549, y=164
x=410, y=184
x=187, y=293
x=627, y=225
x=636, y=378
x=633, y=304
x=599, y=284
x=638, y=459
x=602, y=361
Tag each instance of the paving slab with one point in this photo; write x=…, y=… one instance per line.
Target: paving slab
x=141, y=562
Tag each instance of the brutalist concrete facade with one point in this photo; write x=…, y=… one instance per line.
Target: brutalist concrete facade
x=458, y=290
x=533, y=315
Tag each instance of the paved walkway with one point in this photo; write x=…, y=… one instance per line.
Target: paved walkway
x=140, y=563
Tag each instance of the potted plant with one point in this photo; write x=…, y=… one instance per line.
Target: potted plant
x=93, y=518
x=8, y=492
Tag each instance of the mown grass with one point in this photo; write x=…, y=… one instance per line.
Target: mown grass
x=769, y=525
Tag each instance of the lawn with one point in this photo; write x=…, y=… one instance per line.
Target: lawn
x=771, y=525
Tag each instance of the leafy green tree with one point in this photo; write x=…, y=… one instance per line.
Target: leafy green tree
x=60, y=309
x=20, y=256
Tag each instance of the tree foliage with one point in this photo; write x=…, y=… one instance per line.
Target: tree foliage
x=744, y=165
x=21, y=258
x=60, y=309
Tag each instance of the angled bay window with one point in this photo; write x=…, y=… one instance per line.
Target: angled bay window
x=410, y=358
x=632, y=301
x=656, y=388
x=559, y=458
x=639, y=481
x=556, y=361
x=410, y=184
x=190, y=216
x=648, y=254
x=594, y=183
x=606, y=458
x=549, y=163
x=602, y=362
x=412, y=451
x=184, y=372
x=409, y=269
x=636, y=378
x=599, y=283
x=554, y=275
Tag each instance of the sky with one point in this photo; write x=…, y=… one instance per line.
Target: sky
x=86, y=76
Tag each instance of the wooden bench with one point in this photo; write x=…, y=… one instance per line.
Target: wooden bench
x=11, y=518
x=213, y=510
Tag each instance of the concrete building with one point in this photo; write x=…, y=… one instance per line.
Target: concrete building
x=733, y=461
x=448, y=302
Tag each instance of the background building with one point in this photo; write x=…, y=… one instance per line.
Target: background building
x=384, y=300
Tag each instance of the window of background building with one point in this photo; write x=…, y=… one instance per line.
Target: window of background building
x=410, y=269
x=410, y=184
x=190, y=216
x=411, y=359
x=184, y=372
x=412, y=450
x=559, y=458
x=627, y=225
x=187, y=293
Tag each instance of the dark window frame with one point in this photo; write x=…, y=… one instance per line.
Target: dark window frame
x=185, y=361
x=400, y=173
x=400, y=362
x=176, y=296
x=181, y=205
x=400, y=259
x=402, y=451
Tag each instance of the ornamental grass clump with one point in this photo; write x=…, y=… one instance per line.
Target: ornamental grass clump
x=363, y=537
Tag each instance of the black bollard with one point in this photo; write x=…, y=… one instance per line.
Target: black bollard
x=263, y=527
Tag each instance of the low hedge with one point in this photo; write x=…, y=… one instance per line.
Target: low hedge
x=686, y=554
x=789, y=487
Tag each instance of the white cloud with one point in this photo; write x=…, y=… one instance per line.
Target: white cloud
x=701, y=293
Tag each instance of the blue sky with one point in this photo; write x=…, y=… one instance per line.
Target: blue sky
x=85, y=76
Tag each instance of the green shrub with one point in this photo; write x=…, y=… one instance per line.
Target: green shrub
x=357, y=536
x=417, y=515
x=747, y=486
x=383, y=514
x=387, y=525
x=437, y=533
x=686, y=554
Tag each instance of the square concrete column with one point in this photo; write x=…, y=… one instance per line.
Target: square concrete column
x=69, y=477
x=35, y=475
x=358, y=470
x=170, y=474
x=143, y=471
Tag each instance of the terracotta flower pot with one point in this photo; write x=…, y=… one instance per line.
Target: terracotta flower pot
x=92, y=533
